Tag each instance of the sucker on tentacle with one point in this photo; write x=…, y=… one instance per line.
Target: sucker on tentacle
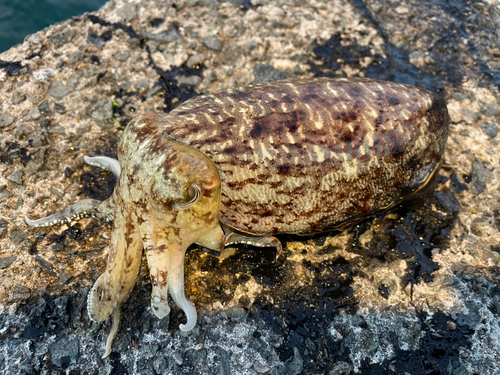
x=87, y=207
x=243, y=165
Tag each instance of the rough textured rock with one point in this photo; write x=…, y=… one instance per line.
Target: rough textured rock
x=415, y=291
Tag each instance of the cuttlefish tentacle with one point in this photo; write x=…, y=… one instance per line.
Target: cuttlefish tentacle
x=104, y=162
x=114, y=286
x=87, y=207
x=176, y=253
x=157, y=264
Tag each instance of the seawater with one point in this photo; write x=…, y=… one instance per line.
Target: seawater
x=19, y=18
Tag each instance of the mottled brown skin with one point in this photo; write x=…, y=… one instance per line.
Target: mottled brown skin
x=242, y=165
x=375, y=138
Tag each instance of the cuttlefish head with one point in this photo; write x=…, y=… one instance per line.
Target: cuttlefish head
x=183, y=209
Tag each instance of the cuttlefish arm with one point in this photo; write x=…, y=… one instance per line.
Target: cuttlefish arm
x=87, y=207
x=114, y=286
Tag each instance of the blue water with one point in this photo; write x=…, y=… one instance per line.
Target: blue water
x=19, y=18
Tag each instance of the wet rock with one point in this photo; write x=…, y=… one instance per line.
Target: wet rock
x=16, y=177
x=211, y=42
x=295, y=364
x=341, y=368
x=102, y=113
x=178, y=358
x=122, y=56
x=17, y=98
x=5, y=120
x=448, y=201
x=34, y=114
x=63, y=37
x=225, y=362
x=188, y=80
x=19, y=293
x=267, y=73
x=168, y=36
x=260, y=368
x=479, y=177
x=6, y=261
x=59, y=89
x=65, y=351
x=489, y=129
x=160, y=365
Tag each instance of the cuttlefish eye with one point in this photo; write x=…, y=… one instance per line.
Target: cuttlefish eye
x=195, y=191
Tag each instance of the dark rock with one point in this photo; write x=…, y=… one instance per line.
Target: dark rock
x=12, y=68
x=27, y=368
x=63, y=37
x=19, y=293
x=295, y=364
x=196, y=357
x=266, y=73
x=59, y=108
x=127, y=12
x=102, y=113
x=5, y=120
x=36, y=162
x=195, y=60
x=99, y=40
x=49, y=268
x=211, y=42
x=84, y=128
x=491, y=109
x=16, y=177
x=122, y=56
x=479, y=177
x=464, y=133
x=77, y=56
x=341, y=368
x=448, y=201
x=6, y=262
x=64, y=351
x=17, y=98
x=160, y=365
x=57, y=129
x=489, y=129
x=34, y=114
x=211, y=76
x=59, y=89
x=3, y=227
x=168, y=36
x=18, y=236
x=225, y=362
x=178, y=358
x=44, y=108
x=44, y=122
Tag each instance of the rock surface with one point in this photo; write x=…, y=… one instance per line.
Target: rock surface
x=410, y=292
